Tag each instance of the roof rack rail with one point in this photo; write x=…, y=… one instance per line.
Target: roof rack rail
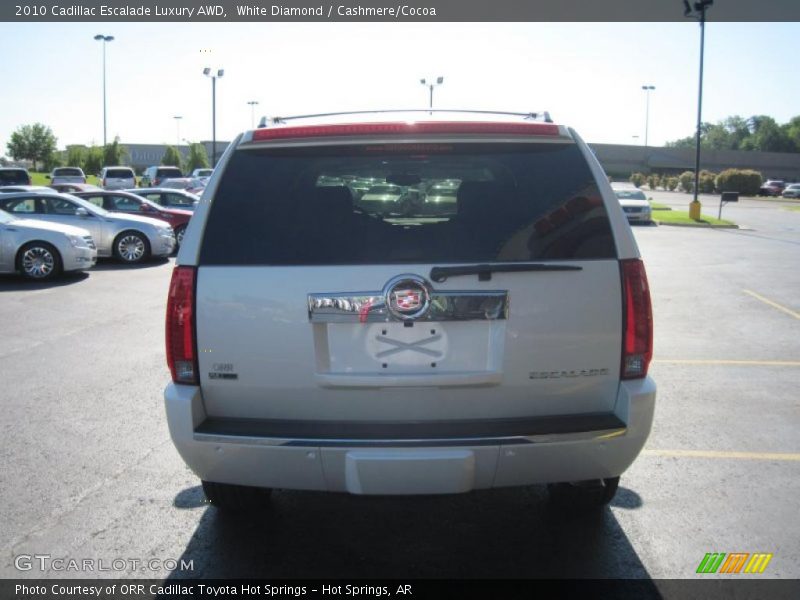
x=543, y=116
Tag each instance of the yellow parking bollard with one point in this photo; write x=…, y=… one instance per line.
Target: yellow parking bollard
x=694, y=210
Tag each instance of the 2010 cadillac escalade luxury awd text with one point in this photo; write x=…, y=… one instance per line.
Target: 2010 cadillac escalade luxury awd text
x=487, y=324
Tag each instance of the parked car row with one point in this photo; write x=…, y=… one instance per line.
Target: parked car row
x=112, y=178
x=45, y=232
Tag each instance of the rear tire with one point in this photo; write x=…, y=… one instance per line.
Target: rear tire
x=583, y=495
x=39, y=261
x=235, y=498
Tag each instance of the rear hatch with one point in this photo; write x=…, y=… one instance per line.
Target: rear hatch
x=500, y=299
x=119, y=178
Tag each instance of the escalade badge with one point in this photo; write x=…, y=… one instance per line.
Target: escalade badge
x=408, y=297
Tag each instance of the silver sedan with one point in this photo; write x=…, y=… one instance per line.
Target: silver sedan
x=41, y=251
x=130, y=238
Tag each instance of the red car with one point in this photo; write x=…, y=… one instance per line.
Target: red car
x=72, y=188
x=772, y=187
x=126, y=202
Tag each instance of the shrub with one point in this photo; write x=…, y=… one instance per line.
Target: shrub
x=745, y=181
x=707, y=179
x=671, y=183
x=637, y=179
x=652, y=181
x=686, y=179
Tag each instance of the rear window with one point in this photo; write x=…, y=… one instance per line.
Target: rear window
x=166, y=172
x=67, y=172
x=13, y=177
x=120, y=173
x=427, y=203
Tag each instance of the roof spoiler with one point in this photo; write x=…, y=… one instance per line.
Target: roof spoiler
x=542, y=116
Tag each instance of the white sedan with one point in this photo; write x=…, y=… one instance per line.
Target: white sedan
x=40, y=250
x=635, y=205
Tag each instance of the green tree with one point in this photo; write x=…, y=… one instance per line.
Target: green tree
x=197, y=159
x=76, y=157
x=171, y=157
x=32, y=142
x=93, y=162
x=767, y=136
x=792, y=131
x=113, y=153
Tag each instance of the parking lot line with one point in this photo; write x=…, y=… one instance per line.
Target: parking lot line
x=788, y=456
x=788, y=311
x=751, y=363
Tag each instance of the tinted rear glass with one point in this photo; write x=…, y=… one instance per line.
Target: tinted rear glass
x=509, y=202
x=169, y=173
x=119, y=173
x=67, y=172
x=13, y=177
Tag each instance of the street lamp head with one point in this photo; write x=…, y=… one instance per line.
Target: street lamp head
x=440, y=80
x=221, y=72
x=206, y=71
x=423, y=82
x=103, y=38
x=99, y=37
x=109, y=38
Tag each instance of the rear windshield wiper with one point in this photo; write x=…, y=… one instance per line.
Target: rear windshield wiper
x=484, y=272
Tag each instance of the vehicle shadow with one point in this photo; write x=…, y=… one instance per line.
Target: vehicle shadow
x=511, y=533
x=112, y=264
x=17, y=283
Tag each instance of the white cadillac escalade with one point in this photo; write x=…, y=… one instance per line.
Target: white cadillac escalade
x=484, y=323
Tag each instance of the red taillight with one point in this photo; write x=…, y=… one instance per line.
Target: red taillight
x=637, y=329
x=181, y=354
x=424, y=127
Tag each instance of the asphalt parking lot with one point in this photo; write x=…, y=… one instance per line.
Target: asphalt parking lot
x=89, y=470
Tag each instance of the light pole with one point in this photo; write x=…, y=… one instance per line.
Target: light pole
x=431, y=85
x=252, y=104
x=647, y=89
x=178, y=124
x=104, y=38
x=698, y=11
x=219, y=73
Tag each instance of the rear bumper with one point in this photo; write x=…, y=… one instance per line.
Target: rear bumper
x=250, y=453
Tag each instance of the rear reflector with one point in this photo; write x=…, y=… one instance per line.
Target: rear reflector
x=180, y=329
x=412, y=128
x=637, y=321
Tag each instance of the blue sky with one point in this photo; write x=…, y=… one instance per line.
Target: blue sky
x=588, y=75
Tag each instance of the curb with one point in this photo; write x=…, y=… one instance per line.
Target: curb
x=701, y=225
